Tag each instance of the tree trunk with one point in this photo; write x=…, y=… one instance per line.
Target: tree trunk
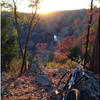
x=88, y=33
x=23, y=68
x=94, y=62
x=17, y=27
x=24, y=54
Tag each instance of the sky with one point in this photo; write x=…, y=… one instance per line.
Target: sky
x=56, y=5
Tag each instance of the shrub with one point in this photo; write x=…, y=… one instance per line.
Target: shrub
x=71, y=64
x=9, y=47
x=44, y=63
x=13, y=65
x=51, y=56
x=75, y=52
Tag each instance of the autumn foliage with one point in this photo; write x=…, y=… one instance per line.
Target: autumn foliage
x=92, y=33
x=41, y=48
x=77, y=21
x=63, y=48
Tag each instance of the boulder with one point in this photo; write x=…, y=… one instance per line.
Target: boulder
x=62, y=70
x=42, y=80
x=18, y=83
x=89, y=87
x=33, y=68
x=42, y=68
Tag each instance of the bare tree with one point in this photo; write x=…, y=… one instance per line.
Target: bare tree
x=30, y=29
x=27, y=40
x=17, y=28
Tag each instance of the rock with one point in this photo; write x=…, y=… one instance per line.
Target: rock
x=56, y=70
x=18, y=83
x=17, y=94
x=62, y=70
x=89, y=86
x=3, y=90
x=3, y=75
x=54, y=75
x=42, y=68
x=33, y=68
x=42, y=80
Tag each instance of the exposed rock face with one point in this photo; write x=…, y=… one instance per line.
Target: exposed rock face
x=89, y=87
x=33, y=68
x=42, y=80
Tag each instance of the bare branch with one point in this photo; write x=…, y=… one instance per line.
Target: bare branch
x=17, y=27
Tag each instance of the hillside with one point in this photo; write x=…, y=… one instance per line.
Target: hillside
x=61, y=24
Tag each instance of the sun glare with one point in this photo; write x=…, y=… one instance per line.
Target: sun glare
x=48, y=6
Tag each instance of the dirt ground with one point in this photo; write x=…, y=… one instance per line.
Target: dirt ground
x=25, y=88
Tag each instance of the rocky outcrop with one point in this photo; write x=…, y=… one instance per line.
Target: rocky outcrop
x=18, y=83
x=89, y=87
x=33, y=68
x=43, y=80
x=62, y=70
